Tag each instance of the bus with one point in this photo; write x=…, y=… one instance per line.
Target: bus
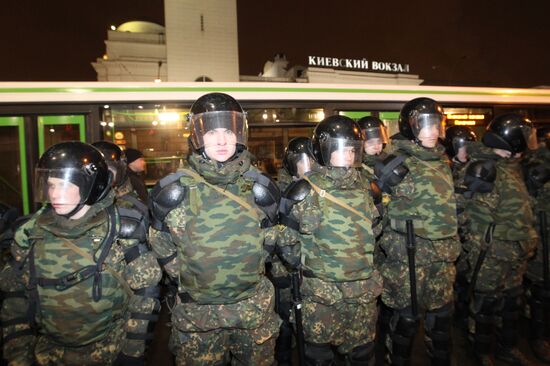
x=151, y=117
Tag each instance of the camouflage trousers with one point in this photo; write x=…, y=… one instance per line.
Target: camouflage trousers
x=103, y=352
x=535, y=265
x=342, y=314
x=242, y=333
x=434, y=284
x=503, y=267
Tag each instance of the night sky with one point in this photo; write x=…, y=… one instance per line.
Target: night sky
x=470, y=42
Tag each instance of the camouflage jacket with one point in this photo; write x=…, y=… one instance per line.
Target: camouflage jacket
x=216, y=243
x=337, y=243
x=425, y=195
x=49, y=248
x=507, y=206
x=284, y=178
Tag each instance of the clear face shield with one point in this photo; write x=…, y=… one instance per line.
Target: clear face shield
x=231, y=121
x=118, y=169
x=302, y=162
x=375, y=139
x=63, y=188
x=433, y=124
x=339, y=152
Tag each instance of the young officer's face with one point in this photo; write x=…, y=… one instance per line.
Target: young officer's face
x=428, y=136
x=64, y=196
x=220, y=144
x=373, y=146
x=343, y=157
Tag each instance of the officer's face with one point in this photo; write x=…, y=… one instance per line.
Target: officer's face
x=64, y=196
x=373, y=146
x=462, y=154
x=302, y=167
x=220, y=144
x=428, y=136
x=344, y=157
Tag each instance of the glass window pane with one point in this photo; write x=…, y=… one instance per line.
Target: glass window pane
x=54, y=134
x=158, y=131
x=10, y=168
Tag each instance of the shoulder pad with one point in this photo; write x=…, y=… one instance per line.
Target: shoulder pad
x=135, y=203
x=267, y=194
x=480, y=176
x=297, y=191
x=536, y=175
x=133, y=225
x=167, y=194
x=390, y=172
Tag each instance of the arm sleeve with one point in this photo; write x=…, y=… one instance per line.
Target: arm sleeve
x=143, y=275
x=18, y=335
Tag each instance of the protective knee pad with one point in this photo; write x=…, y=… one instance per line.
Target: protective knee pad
x=438, y=334
x=318, y=354
x=362, y=355
x=483, y=311
x=509, y=313
x=403, y=328
x=283, y=346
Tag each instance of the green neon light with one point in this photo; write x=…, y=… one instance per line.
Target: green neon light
x=56, y=121
x=19, y=123
x=139, y=89
x=389, y=115
x=355, y=114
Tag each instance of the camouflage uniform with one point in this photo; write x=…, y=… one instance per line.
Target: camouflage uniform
x=538, y=297
x=425, y=195
x=55, y=314
x=513, y=241
x=212, y=248
x=340, y=285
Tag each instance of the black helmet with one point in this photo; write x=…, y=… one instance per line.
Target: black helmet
x=509, y=132
x=373, y=128
x=536, y=175
x=337, y=133
x=418, y=113
x=74, y=162
x=115, y=159
x=456, y=137
x=299, y=149
x=217, y=110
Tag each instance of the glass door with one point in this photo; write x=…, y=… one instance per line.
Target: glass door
x=14, y=190
x=55, y=129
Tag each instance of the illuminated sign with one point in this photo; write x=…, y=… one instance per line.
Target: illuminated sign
x=358, y=64
x=465, y=119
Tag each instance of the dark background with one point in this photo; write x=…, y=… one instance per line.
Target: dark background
x=470, y=42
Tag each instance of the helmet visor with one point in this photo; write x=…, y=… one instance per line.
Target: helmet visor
x=376, y=133
x=229, y=121
x=435, y=122
x=62, y=187
x=301, y=163
x=118, y=168
x=339, y=152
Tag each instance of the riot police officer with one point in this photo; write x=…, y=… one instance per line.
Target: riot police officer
x=420, y=241
x=375, y=136
x=209, y=225
x=335, y=214
x=82, y=288
x=501, y=237
x=456, y=140
x=122, y=185
x=536, y=171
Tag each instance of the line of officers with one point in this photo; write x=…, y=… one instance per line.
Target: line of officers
x=356, y=238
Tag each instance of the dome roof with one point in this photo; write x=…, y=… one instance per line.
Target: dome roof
x=138, y=26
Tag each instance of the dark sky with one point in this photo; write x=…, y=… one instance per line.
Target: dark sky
x=469, y=42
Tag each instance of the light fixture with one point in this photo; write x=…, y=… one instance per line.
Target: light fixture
x=264, y=116
x=111, y=124
x=113, y=27
x=52, y=130
x=103, y=123
x=106, y=106
x=140, y=107
x=155, y=123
